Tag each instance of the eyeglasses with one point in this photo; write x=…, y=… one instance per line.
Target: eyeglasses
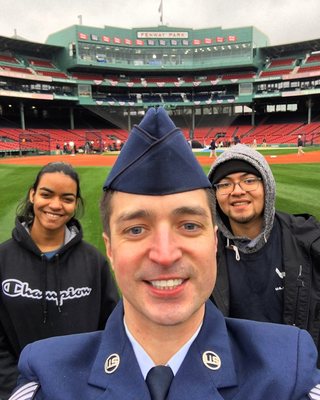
x=247, y=184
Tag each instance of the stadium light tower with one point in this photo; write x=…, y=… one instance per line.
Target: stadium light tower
x=80, y=19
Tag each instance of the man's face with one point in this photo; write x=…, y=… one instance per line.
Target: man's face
x=163, y=253
x=240, y=206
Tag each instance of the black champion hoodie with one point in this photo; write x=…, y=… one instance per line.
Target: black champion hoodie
x=72, y=292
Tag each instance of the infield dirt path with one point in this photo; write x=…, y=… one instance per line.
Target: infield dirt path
x=109, y=160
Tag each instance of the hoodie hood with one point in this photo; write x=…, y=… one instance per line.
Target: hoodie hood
x=21, y=234
x=244, y=153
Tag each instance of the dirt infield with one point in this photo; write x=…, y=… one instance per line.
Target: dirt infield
x=311, y=157
x=100, y=160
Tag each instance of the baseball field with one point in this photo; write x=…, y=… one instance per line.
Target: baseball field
x=297, y=177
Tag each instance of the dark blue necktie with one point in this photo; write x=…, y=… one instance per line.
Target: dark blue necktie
x=158, y=381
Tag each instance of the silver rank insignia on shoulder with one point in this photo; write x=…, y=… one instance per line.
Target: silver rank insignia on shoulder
x=112, y=363
x=26, y=392
x=211, y=360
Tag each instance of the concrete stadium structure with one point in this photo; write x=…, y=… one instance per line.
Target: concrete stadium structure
x=97, y=82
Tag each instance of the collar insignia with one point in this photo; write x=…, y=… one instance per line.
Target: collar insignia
x=112, y=363
x=211, y=360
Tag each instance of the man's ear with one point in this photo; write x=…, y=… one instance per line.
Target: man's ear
x=107, y=243
x=216, y=236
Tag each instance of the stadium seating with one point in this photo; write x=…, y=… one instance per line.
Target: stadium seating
x=277, y=72
x=41, y=63
x=87, y=76
x=274, y=134
x=11, y=139
x=54, y=74
x=238, y=75
x=16, y=69
x=282, y=62
x=8, y=59
x=208, y=93
x=313, y=58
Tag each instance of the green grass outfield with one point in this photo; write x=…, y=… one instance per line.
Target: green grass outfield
x=298, y=187
x=266, y=151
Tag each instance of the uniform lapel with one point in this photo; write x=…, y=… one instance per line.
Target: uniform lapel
x=124, y=379
x=200, y=375
x=207, y=368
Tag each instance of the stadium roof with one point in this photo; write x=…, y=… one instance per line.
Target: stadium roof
x=26, y=47
x=283, y=50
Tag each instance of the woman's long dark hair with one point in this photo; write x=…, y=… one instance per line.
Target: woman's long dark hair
x=25, y=208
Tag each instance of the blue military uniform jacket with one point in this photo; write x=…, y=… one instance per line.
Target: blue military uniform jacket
x=229, y=359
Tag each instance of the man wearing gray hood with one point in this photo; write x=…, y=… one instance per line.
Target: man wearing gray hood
x=268, y=261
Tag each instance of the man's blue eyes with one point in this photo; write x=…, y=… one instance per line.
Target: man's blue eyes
x=190, y=226
x=136, y=230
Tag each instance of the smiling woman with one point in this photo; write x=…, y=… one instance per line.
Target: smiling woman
x=54, y=204
x=53, y=282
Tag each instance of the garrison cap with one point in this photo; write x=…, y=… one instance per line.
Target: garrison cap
x=156, y=160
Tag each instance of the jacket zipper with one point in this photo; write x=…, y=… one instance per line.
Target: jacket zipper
x=299, y=284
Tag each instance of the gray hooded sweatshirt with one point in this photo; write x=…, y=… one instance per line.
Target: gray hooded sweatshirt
x=253, y=157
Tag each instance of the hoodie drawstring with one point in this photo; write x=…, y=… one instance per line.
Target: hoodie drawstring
x=44, y=289
x=234, y=248
x=44, y=286
x=265, y=238
x=58, y=282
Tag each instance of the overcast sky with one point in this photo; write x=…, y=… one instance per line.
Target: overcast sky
x=283, y=21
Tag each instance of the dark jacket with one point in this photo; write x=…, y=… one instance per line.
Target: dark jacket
x=230, y=359
x=80, y=294
x=301, y=263
x=213, y=145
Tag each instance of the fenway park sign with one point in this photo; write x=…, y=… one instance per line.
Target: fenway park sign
x=162, y=35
